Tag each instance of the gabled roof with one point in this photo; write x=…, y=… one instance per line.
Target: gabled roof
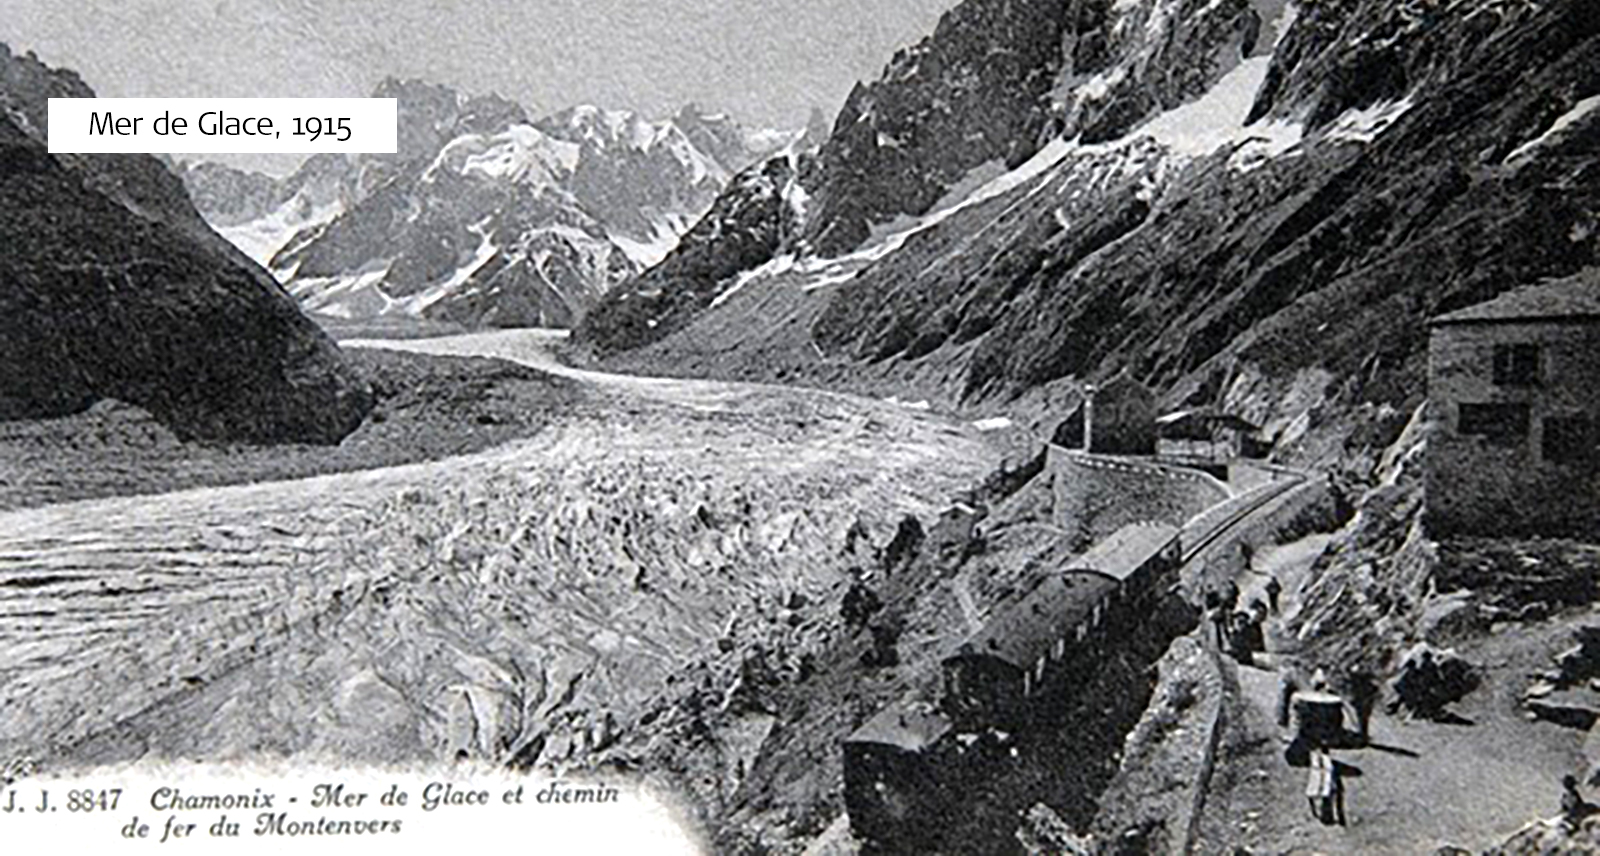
x=1575, y=298
x=906, y=724
x=1126, y=550
x=1025, y=632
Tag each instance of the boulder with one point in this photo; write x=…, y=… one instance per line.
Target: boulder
x=1043, y=831
x=1581, y=662
x=1450, y=618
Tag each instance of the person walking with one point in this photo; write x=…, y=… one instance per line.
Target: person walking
x=1364, y=691
x=1319, y=783
x=1273, y=588
x=1324, y=791
x=1217, y=618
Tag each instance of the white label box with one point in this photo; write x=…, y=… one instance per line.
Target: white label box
x=241, y=125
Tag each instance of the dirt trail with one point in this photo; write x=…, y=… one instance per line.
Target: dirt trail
x=540, y=591
x=1421, y=785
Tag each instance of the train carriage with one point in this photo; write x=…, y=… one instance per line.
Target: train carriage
x=1006, y=673
x=909, y=762
x=892, y=774
x=1138, y=556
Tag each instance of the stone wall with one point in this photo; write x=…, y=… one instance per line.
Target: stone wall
x=1096, y=495
x=1479, y=485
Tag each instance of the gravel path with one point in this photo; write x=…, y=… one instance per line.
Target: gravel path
x=1422, y=785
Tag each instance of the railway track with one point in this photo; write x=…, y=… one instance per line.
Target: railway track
x=1200, y=533
x=1197, y=537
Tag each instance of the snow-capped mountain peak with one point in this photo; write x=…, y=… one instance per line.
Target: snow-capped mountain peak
x=483, y=215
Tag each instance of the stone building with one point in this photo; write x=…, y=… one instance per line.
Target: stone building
x=1115, y=418
x=1514, y=386
x=1207, y=434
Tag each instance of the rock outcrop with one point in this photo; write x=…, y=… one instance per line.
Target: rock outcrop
x=981, y=95
x=973, y=92
x=111, y=286
x=743, y=230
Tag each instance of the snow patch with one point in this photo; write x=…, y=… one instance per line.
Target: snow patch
x=909, y=405
x=1216, y=119
x=778, y=265
x=665, y=232
x=824, y=282
x=1364, y=126
x=1098, y=87
x=771, y=140
x=262, y=238
x=995, y=424
x=1048, y=156
x=519, y=154
x=354, y=295
x=1559, y=127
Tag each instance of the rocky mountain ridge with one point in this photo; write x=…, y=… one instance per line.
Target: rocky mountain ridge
x=1265, y=222
x=483, y=216
x=111, y=286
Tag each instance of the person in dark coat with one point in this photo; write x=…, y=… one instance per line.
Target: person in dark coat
x=1218, y=619
x=1273, y=588
x=1364, y=691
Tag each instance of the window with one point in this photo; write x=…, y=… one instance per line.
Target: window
x=1516, y=365
x=1505, y=424
x=1569, y=439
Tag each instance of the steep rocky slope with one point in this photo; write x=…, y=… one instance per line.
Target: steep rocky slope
x=992, y=85
x=1267, y=219
x=140, y=183
x=112, y=286
x=483, y=216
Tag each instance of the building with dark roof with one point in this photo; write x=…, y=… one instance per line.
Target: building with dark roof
x=1115, y=418
x=1207, y=434
x=1514, y=387
x=898, y=772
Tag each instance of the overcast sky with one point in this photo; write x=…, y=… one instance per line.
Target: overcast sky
x=765, y=61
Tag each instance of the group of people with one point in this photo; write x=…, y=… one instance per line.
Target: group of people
x=1422, y=687
x=1240, y=631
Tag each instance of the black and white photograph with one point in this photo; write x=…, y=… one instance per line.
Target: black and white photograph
x=815, y=427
